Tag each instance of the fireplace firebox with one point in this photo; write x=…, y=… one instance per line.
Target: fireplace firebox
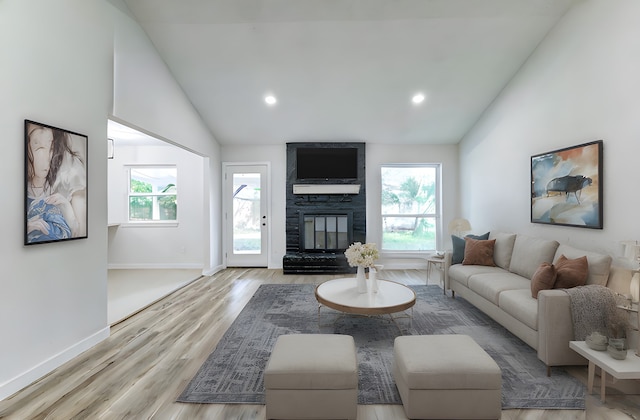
x=325, y=232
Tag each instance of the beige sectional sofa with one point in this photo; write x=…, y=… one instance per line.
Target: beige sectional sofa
x=504, y=292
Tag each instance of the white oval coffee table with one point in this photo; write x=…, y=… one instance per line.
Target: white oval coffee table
x=342, y=295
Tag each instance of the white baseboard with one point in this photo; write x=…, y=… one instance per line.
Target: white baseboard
x=14, y=385
x=212, y=270
x=154, y=266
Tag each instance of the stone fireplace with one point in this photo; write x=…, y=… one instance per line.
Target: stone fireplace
x=323, y=216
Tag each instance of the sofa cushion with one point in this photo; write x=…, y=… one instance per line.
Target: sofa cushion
x=490, y=285
x=599, y=264
x=459, y=244
x=461, y=273
x=520, y=305
x=478, y=252
x=571, y=272
x=529, y=253
x=543, y=279
x=503, y=249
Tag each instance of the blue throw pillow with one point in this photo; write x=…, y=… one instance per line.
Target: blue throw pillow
x=458, y=246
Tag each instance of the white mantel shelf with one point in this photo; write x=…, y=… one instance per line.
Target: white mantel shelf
x=326, y=188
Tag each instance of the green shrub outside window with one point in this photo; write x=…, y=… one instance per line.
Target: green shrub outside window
x=153, y=193
x=410, y=207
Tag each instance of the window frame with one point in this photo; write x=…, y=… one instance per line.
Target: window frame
x=154, y=195
x=437, y=215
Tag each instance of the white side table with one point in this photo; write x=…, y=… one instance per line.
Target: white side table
x=437, y=263
x=628, y=368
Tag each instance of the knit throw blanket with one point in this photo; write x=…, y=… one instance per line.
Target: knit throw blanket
x=591, y=307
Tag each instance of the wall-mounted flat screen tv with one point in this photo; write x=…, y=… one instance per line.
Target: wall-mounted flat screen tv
x=327, y=163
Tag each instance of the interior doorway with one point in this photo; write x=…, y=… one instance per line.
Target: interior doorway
x=151, y=257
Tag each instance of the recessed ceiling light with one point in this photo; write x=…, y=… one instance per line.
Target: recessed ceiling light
x=270, y=100
x=417, y=99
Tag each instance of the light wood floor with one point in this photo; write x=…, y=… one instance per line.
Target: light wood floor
x=129, y=291
x=139, y=371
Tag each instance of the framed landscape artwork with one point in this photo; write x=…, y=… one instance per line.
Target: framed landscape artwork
x=566, y=186
x=55, y=184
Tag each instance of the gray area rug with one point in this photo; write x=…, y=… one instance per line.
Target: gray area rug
x=233, y=372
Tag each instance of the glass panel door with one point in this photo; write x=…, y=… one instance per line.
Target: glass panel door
x=246, y=216
x=246, y=213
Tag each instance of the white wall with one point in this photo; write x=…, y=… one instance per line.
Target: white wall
x=170, y=246
x=376, y=155
x=580, y=85
x=56, y=69
x=59, y=67
x=147, y=98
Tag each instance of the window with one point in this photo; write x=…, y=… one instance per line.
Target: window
x=410, y=207
x=153, y=193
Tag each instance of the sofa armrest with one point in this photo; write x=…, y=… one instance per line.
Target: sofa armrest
x=555, y=329
x=447, y=263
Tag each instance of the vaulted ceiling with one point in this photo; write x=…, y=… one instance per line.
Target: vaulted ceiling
x=344, y=70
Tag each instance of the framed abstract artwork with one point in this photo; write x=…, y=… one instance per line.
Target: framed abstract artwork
x=566, y=186
x=55, y=178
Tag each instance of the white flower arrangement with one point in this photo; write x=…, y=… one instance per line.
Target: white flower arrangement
x=359, y=254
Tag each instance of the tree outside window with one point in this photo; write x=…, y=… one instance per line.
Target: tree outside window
x=410, y=207
x=153, y=194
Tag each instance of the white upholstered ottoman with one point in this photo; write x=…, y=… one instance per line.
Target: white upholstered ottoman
x=312, y=376
x=446, y=377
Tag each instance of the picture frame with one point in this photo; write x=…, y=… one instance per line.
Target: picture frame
x=566, y=186
x=55, y=184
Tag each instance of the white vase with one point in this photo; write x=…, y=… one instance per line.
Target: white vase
x=361, y=280
x=373, y=276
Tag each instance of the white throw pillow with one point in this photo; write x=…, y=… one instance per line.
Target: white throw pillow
x=529, y=253
x=503, y=248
